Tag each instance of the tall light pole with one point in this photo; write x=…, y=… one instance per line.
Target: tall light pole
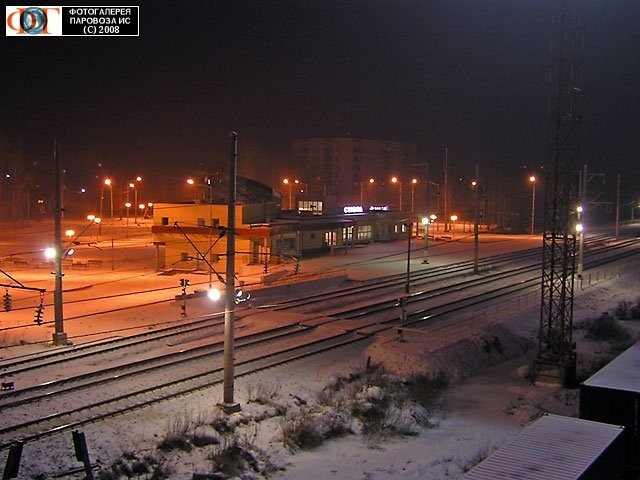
x=413, y=186
x=229, y=405
x=287, y=182
x=453, y=219
x=109, y=184
x=532, y=179
x=135, y=197
x=303, y=186
x=476, y=220
x=191, y=181
x=101, y=203
x=128, y=206
x=580, y=231
x=399, y=183
x=426, y=221
x=371, y=181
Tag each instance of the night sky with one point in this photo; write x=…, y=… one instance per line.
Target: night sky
x=470, y=75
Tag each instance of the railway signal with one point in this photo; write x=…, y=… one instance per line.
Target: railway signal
x=8, y=303
x=184, y=283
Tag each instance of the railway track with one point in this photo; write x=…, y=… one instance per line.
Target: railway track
x=103, y=392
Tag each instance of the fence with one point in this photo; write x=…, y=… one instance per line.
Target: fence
x=472, y=324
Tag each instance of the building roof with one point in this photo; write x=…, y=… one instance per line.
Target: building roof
x=561, y=448
x=622, y=373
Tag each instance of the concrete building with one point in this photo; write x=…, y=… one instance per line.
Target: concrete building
x=339, y=168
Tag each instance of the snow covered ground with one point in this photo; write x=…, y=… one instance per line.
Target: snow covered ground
x=490, y=400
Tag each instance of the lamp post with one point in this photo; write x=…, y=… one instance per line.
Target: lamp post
x=135, y=198
x=287, y=182
x=426, y=221
x=580, y=231
x=532, y=179
x=476, y=220
x=128, y=206
x=109, y=184
x=453, y=219
x=405, y=298
x=141, y=207
x=101, y=204
x=399, y=183
x=191, y=181
x=413, y=186
x=371, y=181
x=303, y=186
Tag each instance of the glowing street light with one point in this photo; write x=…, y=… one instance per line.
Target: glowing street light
x=302, y=189
x=426, y=221
x=532, y=179
x=109, y=184
x=399, y=183
x=453, y=219
x=128, y=206
x=580, y=231
x=413, y=186
x=287, y=182
x=371, y=181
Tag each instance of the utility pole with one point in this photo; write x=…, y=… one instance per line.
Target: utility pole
x=229, y=405
x=618, y=209
x=476, y=219
x=446, y=189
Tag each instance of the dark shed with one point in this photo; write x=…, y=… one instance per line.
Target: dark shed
x=612, y=395
x=559, y=448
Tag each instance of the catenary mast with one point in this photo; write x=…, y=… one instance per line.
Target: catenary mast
x=556, y=359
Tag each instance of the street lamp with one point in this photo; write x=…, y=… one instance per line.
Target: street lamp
x=413, y=186
x=426, y=221
x=302, y=189
x=135, y=198
x=58, y=253
x=395, y=180
x=532, y=179
x=128, y=205
x=287, y=182
x=404, y=299
x=453, y=218
x=191, y=181
x=371, y=181
x=109, y=184
x=580, y=231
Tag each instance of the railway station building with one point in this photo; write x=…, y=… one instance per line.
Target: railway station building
x=192, y=236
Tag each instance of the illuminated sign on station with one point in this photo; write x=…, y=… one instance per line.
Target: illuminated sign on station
x=379, y=208
x=353, y=209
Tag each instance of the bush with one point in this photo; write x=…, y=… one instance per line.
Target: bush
x=426, y=389
x=622, y=311
x=231, y=458
x=300, y=433
x=262, y=394
x=308, y=428
x=606, y=328
x=635, y=311
x=238, y=455
x=129, y=465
